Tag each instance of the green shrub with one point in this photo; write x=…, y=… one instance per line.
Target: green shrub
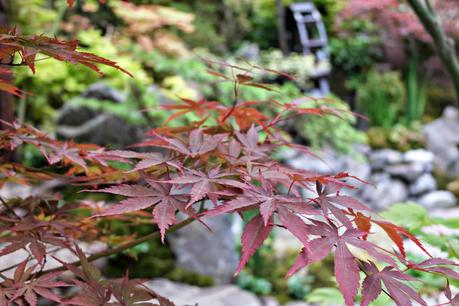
x=382, y=97
x=59, y=82
x=439, y=232
x=331, y=131
x=257, y=285
x=302, y=67
x=354, y=50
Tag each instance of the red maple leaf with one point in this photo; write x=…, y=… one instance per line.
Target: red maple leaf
x=396, y=233
x=394, y=281
x=198, y=143
x=160, y=195
x=29, y=46
x=200, y=108
x=28, y=290
x=346, y=267
x=436, y=265
x=328, y=199
x=206, y=184
x=255, y=233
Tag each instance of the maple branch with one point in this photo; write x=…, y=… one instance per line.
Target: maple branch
x=8, y=208
x=236, y=98
x=443, y=44
x=120, y=248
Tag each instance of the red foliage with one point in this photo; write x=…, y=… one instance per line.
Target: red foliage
x=22, y=50
x=396, y=19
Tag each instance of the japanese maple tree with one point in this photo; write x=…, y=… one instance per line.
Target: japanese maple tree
x=223, y=159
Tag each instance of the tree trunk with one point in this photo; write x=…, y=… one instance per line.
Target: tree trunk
x=281, y=32
x=443, y=44
x=6, y=99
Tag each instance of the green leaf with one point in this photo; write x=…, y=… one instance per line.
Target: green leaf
x=409, y=215
x=382, y=300
x=325, y=296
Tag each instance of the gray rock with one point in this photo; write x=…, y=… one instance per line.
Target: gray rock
x=442, y=138
x=12, y=190
x=287, y=154
x=408, y=172
x=228, y=295
x=312, y=164
x=422, y=184
x=328, y=162
x=297, y=303
x=71, y=115
x=420, y=156
x=101, y=91
x=358, y=168
x=269, y=301
x=438, y=199
x=160, y=97
x=182, y=294
x=178, y=293
x=89, y=126
x=384, y=191
x=285, y=243
x=209, y=253
x=382, y=158
x=249, y=51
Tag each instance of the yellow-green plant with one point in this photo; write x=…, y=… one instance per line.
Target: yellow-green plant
x=382, y=97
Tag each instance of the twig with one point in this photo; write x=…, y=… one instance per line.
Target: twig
x=8, y=208
x=122, y=247
x=235, y=101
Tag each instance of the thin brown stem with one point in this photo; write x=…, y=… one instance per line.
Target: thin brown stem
x=236, y=99
x=8, y=208
x=122, y=247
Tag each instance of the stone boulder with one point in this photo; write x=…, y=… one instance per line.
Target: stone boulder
x=454, y=187
x=438, y=199
x=182, y=294
x=407, y=172
x=423, y=184
x=442, y=138
x=328, y=162
x=420, y=156
x=102, y=91
x=249, y=51
x=87, y=125
x=384, y=191
x=209, y=253
x=379, y=159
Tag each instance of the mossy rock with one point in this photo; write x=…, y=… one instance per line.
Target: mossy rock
x=377, y=138
x=183, y=276
x=453, y=186
x=150, y=260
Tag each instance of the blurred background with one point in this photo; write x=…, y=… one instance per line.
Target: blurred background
x=371, y=57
